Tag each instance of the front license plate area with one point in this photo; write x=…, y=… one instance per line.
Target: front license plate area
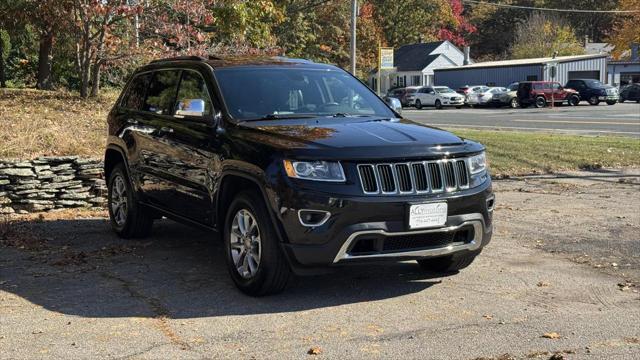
x=427, y=215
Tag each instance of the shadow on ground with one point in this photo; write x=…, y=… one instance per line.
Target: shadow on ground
x=80, y=268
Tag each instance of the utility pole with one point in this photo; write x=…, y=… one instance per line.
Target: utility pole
x=354, y=17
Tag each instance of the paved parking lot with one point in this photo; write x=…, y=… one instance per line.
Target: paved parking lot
x=70, y=289
x=619, y=119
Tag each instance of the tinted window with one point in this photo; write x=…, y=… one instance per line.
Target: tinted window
x=134, y=98
x=192, y=88
x=257, y=92
x=537, y=86
x=162, y=92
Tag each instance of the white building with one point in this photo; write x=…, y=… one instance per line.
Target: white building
x=414, y=65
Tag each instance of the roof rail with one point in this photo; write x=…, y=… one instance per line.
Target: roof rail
x=188, y=57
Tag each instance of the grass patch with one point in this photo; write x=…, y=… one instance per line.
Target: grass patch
x=35, y=123
x=518, y=153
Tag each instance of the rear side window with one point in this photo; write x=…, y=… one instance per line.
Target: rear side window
x=162, y=92
x=538, y=86
x=134, y=98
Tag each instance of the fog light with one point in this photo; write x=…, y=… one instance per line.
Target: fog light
x=491, y=202
x=313, y=218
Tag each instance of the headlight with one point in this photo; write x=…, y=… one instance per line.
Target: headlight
x=477, y=163
x=315, y=170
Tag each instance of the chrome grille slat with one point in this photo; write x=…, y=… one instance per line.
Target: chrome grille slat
x=447, y=175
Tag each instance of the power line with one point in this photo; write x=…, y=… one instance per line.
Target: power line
x=313, y=5
x=550, y=9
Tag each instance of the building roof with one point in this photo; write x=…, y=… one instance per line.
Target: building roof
x=598, y=48
x=523, y=62
x=415, y=57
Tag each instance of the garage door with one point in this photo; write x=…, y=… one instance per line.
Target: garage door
x=595, y=75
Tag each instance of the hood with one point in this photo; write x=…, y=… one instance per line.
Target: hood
x=356, y=138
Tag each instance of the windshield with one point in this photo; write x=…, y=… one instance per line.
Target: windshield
x=593, y=83
x=443, y=90
x=272, y=93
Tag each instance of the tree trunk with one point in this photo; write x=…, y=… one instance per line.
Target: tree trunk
x=3, y=78
x=44, y=60
x=95, y=79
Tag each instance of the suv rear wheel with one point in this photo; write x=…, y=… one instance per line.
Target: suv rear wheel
x=254, y=258
x=573, y=100
x=541, y=102
x=447, y=264
x=128, y=218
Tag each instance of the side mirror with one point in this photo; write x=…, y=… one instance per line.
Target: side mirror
x=394, y=104
x=191, y=107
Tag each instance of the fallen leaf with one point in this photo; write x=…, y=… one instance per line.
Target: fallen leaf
x=551, y=335
x=543, y=284
x=314, y=351
x=487, y=316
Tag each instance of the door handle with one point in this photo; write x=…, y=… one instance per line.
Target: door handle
x=166, y=129
x=132, y=122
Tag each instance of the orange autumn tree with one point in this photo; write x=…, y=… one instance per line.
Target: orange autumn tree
x=626, y=29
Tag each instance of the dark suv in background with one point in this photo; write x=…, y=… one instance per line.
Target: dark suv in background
x=593, y=91
x=297, y=166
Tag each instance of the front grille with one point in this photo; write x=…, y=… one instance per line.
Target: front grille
x=414, y=177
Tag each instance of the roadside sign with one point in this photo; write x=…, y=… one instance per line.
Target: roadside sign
x=386, y=58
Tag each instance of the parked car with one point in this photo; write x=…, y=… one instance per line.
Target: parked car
x=507, y=98
x=438, y=96
x=468, y=89
x=594, y=91
x=405, y=95
x=485, y=97
x=272, y=154
x=541, y=93
x=630, y=92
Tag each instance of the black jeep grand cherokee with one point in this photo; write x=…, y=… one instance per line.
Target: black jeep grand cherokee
x=297, y=165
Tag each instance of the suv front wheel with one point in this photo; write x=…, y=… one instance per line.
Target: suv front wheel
x=254, y=258
x=128, y=218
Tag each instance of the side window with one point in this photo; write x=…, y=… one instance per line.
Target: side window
x=547, y=86
x=134, y=98
x=556, y=86
x=162, y=92
x=193, y=97
x=537, y=86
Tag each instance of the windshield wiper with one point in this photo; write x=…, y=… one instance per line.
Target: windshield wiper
x=349, y=115
x=282, y=117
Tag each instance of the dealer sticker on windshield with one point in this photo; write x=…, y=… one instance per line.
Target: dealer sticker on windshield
x=427, y=215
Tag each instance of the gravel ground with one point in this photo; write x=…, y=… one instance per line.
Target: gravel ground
x=70, y=289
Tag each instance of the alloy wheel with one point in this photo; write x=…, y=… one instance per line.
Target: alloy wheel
x=119, y=200
x=245, y=243
x=514, y=103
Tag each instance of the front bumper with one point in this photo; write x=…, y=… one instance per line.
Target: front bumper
x=378, y=219
x=608, y=97
x=448, y=102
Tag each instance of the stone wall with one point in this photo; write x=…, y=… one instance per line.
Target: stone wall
x=49, y=183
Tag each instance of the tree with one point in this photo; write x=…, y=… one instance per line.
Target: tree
x=542, y=35
x=95, y=21
x=625, y=30
x=460, y=28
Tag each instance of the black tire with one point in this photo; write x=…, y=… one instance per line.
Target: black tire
x=138, y=220
x=573, y=100
x=449, y=264
x=594, y=101
x=438, y=104
x=540, y=102
x=418, y=104
x=611, y=102
x=273, y=271
x=513, y=103
x=458, y=107
x=621, y=99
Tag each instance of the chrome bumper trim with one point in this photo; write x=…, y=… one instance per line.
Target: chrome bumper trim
x=478, y=231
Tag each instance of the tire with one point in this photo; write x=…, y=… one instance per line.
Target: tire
x=573, y=100
x=540, y=102
x=270, y=271
x=449, y=264
x=594, y=101
x=611, y=102
x=458, y=107
x=418, y=105
x=438, y=104
x=513, y=103
x=128, y=218
x=621, y=99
